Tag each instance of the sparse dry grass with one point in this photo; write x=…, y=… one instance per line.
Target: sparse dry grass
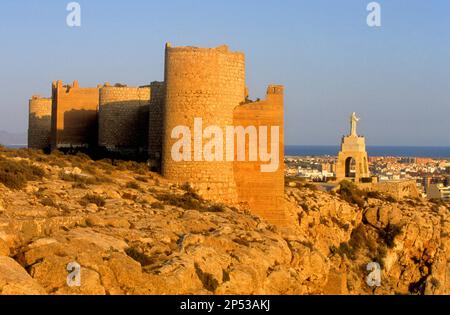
x=93, y=198
x=136, y=167
x=190, y=200
x=15, y=174
x=82, y=181
x=389, y=234
x=157, y=205
x=133, y=185
x=351, y=193
x=141, y=179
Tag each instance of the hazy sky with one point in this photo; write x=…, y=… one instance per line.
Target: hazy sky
x=396, y=77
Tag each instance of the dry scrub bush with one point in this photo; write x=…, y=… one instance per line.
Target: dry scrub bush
x=93, y=198
x=351, y=193
x=190, y=200
x=15, y=174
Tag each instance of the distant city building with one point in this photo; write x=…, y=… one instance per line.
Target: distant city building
x=439, y=191
x=314, y=174
x=407, y=160
x=447, y=168
x=426, y=183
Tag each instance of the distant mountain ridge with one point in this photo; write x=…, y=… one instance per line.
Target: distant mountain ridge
x=8, y=138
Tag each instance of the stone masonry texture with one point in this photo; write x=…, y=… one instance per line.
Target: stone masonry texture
x=205, y=83
x=264, y=192
x=39, y=122
x=155, y=123
x=74, y=116
x=123, y=118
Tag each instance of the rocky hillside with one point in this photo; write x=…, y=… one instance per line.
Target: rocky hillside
x=132, y=232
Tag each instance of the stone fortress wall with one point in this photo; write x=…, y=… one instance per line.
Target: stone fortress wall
x=206, y=83
x=155, y=124
x=123, y=118
x=74, y=116
x=263, y=191
x=40, y=113
x=399, y=189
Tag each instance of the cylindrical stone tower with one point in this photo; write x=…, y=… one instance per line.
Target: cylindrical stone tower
x=39, y=122
x=206, y=83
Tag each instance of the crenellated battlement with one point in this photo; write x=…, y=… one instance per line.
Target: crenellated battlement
x=275, y=89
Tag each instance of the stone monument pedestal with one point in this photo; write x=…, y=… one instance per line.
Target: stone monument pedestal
x=352, y=163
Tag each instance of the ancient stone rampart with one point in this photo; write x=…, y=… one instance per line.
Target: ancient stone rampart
x=74, y=116
x=123, y=119
x=263, y=191
x=155, y=124
x=399, y=189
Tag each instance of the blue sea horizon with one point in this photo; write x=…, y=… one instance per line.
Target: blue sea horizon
x=397, y=151
x=323, y=150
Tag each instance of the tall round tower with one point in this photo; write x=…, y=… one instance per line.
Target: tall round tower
x=206, y=83
x=39, y=122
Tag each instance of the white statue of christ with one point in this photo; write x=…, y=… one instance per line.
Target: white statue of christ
x=353, y=123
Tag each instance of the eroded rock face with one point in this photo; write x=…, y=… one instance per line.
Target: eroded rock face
x=410, y=240
x=4, y=248
x=324, y=220
x=132, y=241
x=383, y=215
x=103, y=271
x=14, y=280
x=418, y=263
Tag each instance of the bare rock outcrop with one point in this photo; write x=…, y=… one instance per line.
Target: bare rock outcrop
x=132, y=232
x=14, y=280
